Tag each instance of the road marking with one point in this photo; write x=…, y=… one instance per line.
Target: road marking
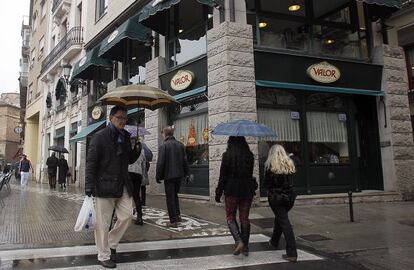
x=23, y=254
x=209, y=262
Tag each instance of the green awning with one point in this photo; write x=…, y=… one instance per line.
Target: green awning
x=160, y=8
x=86, y=131
x=84, y=68
x=91, y=128
x=388, y=3
x=191, y=93
x=318, y=88
x=114, y=46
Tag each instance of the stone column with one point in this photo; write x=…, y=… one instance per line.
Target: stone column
x=231, y=87
x=396, y=138
x=153, y=120
x=84, y=122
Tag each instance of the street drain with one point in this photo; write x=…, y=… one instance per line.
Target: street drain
x=314, y=237
x=263, y=222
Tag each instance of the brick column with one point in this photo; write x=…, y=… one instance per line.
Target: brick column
x=397, y=138
x=153, y=120
x=231, y=87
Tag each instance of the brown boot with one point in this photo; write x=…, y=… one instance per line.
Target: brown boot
x=239, y=248
x=172, y=224
x=289, y=258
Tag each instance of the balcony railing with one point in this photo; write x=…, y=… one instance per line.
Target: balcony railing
x=56, y=3
x=73, y=37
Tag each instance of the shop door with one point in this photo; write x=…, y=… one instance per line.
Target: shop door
x=369, y=155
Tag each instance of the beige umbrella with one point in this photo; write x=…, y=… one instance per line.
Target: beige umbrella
x=138, y=95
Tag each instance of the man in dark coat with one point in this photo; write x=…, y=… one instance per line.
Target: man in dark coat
x=63, y=171
x=109, y=154
x=172, y=167
x=52, y=163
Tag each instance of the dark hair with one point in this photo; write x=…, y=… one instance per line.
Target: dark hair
x=116, y=109
x=168, y=131
x=238, y=153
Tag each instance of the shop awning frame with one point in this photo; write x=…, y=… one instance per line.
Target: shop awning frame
x=317, y=88
x=157, y=6
x=388, y=3
x=191, y=93
x=83, y=69
x=131, y=29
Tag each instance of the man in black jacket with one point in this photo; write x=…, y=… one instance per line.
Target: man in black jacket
x=172, y=167
x=109, y=154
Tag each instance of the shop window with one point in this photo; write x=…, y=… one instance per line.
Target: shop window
x=409, y=55
x=187, y=35
x=191, y=128
x=286, y=125
x=324, y=28
x=275, y=97
x=323, y=100
x=327, y=138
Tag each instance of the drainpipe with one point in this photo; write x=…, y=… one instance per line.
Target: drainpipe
x=232, y=10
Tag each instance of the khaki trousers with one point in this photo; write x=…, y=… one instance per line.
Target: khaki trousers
x=105, y=239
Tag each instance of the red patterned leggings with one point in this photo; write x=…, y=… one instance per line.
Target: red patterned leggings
x=243, y=204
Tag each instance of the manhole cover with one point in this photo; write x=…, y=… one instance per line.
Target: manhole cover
x=263, y=222
x=314, y=237
x=407, y=222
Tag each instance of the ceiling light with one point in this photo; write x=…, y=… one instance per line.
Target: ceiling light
x=362, y=28
x=210, y=16
x=294, y=7
x=180, y=31
x=133, y=58
x=329, y=41
x=262, y=24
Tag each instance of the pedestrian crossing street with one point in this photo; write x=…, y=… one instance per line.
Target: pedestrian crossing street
x=190, y=253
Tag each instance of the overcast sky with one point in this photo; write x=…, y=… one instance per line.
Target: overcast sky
x=11, y=16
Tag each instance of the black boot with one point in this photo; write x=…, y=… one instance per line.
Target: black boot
x=245, y=235
x=234, y=230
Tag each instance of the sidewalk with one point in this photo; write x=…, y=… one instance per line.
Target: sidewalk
x=382, y=236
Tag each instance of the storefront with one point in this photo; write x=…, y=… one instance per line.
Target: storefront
x=323, y=111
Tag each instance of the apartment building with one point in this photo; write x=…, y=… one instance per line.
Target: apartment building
x=39, y=21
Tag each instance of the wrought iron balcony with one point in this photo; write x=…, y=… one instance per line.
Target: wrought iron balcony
x=73, y=37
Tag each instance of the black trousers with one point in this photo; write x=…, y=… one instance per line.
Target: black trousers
x=137, y=180
x=172, y=187
x=143, y=194
x=282, y=225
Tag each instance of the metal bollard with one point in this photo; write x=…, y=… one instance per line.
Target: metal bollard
x=351, y=207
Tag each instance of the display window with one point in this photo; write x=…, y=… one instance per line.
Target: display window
x=191, y=128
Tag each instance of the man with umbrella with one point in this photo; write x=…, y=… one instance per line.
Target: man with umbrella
x=52, y=163
x=63, y=171
x=109, y=154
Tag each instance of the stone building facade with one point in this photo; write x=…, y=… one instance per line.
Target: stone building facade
x=10, y=119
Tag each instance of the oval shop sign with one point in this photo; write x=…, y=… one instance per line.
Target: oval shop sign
x=324, y=72
x=182, y=80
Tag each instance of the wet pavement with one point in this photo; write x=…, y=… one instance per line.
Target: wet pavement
x=36, y=232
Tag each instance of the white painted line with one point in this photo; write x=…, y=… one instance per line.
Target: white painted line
x=24, y=254
x=209, y=262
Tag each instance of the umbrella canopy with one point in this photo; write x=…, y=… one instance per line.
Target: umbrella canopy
x=138, y=95
x=58, y=148
x=243, y=128
x=133, y=130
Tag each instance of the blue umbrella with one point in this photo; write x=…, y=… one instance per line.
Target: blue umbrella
x=133, y=130
x=243, y=128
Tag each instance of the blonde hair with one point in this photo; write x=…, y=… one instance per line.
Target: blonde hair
x=278, y=162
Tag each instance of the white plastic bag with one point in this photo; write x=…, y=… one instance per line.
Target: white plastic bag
x=87, y=217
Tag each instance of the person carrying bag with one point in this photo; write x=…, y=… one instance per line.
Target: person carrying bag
x=281, y=196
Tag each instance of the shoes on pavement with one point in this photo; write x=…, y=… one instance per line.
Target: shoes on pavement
x=139, y=221
x=239, y=248
x=273, y=244
x=245, y=251
x=289, y=258
x=113, y=255
x=108, y=264
x=172, y=224
x=179, y=219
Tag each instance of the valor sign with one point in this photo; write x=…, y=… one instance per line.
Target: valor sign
x=182, y=80
x=324, y=72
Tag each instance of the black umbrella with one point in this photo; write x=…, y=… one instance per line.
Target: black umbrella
x=58, y=148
